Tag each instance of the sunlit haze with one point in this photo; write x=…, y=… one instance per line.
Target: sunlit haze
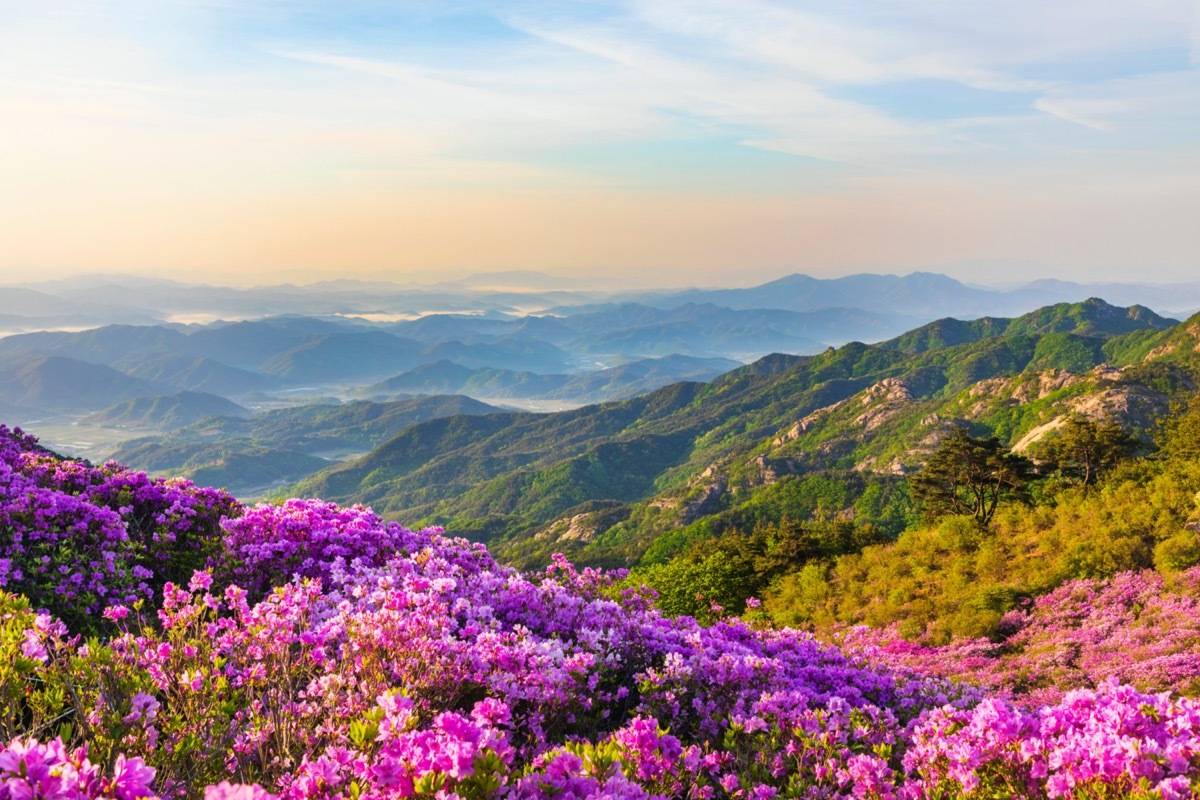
x=664, y=142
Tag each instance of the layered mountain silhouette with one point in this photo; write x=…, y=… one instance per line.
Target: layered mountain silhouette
x=613, y=383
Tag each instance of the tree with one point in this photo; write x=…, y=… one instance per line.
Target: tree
x=1082, y=448
x=1179, y=436
x=970, y=476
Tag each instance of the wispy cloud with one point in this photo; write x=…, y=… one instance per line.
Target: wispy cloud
x=1055, y=109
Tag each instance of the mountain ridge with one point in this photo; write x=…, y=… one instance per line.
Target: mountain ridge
x=512, y=476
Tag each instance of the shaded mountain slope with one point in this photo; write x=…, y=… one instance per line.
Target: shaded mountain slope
x=195, y=373
x=58, y=383
x=626, y=380
x=340, y=356
x=167, y=411
x=315, y=432
x=105, y=345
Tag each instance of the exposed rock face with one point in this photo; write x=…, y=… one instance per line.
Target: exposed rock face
x=872, y=464
x=935, y=437
x=1162, y=350
x=887, y=398
x=1179, y=339
x=892, y=390
x=581, y=528
x=987, y=388
x=1131, y=406
x=666, y=503
x=767, y=474
x=793, y=433
x=1019, y=390
x=703, y=503
x=1037, y=434
x=1047, y=383
x=882, y=401
x=703, y=493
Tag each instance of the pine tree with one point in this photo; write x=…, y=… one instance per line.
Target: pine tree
x=1082, y=449
x=970, y=476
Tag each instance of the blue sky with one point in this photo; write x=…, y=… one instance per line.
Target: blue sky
x=685, y=140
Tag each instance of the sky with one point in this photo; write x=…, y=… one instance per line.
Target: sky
x=655, y=142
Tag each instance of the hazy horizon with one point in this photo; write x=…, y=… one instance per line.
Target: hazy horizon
x=648, y=142
x=457, y=280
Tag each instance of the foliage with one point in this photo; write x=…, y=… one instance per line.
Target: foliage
x=941, y=581
x=721, y=575
x=1066, y=351
x=970, y=476
x=1179, y=436
x=1178, y=552
x=1082, y=450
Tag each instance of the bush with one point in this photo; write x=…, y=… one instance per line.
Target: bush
x=1178, y=552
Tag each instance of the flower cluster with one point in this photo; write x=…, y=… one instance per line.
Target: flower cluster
x=75, y=538
x=1111, y=742
x=30, y=769
x=306, y=538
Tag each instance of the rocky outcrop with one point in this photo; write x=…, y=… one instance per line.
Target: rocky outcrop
x=703, y=503
x=793, y=433
x=874, y=464
x=885, y=399
x=1130, y=406
x=581, y=528
x=1037, y=434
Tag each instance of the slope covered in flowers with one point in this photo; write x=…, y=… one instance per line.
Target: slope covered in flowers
x=1141, y=628
x=325, y=653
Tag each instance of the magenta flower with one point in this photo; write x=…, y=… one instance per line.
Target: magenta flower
x=237, y=791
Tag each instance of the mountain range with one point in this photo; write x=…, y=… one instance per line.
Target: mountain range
x=513, y=339
x=604, y=482
x=104, y=299
x=581, y=356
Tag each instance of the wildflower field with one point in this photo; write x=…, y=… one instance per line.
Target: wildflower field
x=160, y=640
